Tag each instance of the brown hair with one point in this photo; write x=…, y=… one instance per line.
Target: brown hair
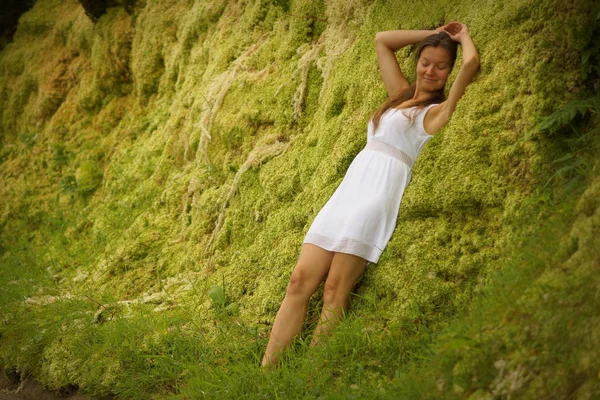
x=440, y=39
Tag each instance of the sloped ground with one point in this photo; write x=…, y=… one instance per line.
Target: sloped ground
x=160, y=168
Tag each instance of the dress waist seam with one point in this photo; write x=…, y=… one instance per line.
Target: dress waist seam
x=382, y=147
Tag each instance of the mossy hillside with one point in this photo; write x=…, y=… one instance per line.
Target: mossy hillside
x=521, y=337
x=210, y=135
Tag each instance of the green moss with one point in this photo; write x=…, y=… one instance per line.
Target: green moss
x=337, y=103
x=88, y=177
x=211, y=133
x=307, y=22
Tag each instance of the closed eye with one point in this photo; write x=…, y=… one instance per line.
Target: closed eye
x=440, y=66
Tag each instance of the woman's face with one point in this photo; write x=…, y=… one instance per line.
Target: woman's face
x=433, y=68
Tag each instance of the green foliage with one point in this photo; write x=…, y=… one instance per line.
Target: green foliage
x=155, y=154
x=68, y=184
x=307, y=22
x=566, y=115
x=88, y=177
x=217, y=295
x=337, y=104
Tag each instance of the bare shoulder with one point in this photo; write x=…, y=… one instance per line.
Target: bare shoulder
x=436, y=118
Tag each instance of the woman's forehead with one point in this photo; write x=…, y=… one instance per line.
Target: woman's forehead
x=435, y=54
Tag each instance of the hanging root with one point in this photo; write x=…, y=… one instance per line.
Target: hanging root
x=259, y=155
x=215, y=93
x=303, y=67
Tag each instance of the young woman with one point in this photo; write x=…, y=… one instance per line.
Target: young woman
x=355, y=225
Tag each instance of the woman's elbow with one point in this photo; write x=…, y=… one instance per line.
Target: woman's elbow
x=472, y=62
x=382, y=37
x=475, y=57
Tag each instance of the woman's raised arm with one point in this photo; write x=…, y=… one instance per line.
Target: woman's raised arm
x=386, y=44
x=469, y=67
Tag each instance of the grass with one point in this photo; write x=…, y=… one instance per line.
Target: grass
x=160, y=167
x=515, y=338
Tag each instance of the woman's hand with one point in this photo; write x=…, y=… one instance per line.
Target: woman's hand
x=443, y=28
x=456, y=30
x=440, y=28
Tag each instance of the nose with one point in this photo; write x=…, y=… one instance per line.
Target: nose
x=430, y=71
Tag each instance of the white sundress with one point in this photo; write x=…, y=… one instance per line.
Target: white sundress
x=361, y=215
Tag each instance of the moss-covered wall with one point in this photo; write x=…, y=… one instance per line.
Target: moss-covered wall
x=190, y=143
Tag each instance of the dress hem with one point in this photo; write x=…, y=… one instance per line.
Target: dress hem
x=345, y=245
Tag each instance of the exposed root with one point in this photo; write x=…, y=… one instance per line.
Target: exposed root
x=215, y=93
x=259, y=155
x=213, y=97
x=333, y=50
x=303, y=67
x=189, y=198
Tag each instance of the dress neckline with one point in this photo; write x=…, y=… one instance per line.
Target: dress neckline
x=400, y=109
x=408, y=108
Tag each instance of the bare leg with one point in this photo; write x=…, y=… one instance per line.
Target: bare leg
x=345, y=271
x=311, y=268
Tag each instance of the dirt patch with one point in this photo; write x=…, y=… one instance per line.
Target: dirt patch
x=30, y=389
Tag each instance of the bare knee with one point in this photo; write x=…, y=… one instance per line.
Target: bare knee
x=334, y=293
x=300, y=285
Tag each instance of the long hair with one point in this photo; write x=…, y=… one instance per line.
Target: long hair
x=440, y=39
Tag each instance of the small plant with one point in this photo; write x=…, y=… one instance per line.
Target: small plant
x=88, y=177
x=572, y=163
x=567, y=114
x=220, y=302
x=61, y=155
x=68, y=184
x=218, y=297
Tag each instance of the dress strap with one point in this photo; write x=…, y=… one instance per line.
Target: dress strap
x=378, y=145
x=421, y=118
